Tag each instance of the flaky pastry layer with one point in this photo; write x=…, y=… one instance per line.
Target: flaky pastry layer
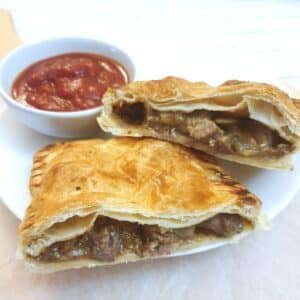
x=144, y=181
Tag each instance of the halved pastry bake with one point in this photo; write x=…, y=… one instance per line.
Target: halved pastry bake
x=250, y=123
x=98, y=202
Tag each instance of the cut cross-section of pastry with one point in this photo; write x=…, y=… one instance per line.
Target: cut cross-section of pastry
x=250, y=123
x=98, y=202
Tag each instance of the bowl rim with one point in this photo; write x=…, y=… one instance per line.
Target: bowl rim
x=58, y=114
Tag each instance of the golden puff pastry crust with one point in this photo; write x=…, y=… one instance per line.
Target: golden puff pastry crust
x=126, y=179
x=263, y=103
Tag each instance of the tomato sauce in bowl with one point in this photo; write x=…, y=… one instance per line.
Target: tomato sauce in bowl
x=68, y=82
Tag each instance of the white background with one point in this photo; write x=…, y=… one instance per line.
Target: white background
x=194, y=39
x=208, y=40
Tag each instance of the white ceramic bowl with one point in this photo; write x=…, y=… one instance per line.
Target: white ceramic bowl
x=60, y=124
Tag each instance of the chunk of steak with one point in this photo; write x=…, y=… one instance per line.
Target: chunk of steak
x=223, y=225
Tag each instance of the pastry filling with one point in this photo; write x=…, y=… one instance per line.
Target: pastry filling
x=216, y=132
x=109, y=238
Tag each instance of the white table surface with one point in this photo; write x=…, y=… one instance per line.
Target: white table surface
x=207, y=40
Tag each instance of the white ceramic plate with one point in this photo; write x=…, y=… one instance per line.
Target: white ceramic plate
x=18, y=144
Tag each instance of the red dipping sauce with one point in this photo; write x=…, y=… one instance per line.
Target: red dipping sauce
x=68, y=82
